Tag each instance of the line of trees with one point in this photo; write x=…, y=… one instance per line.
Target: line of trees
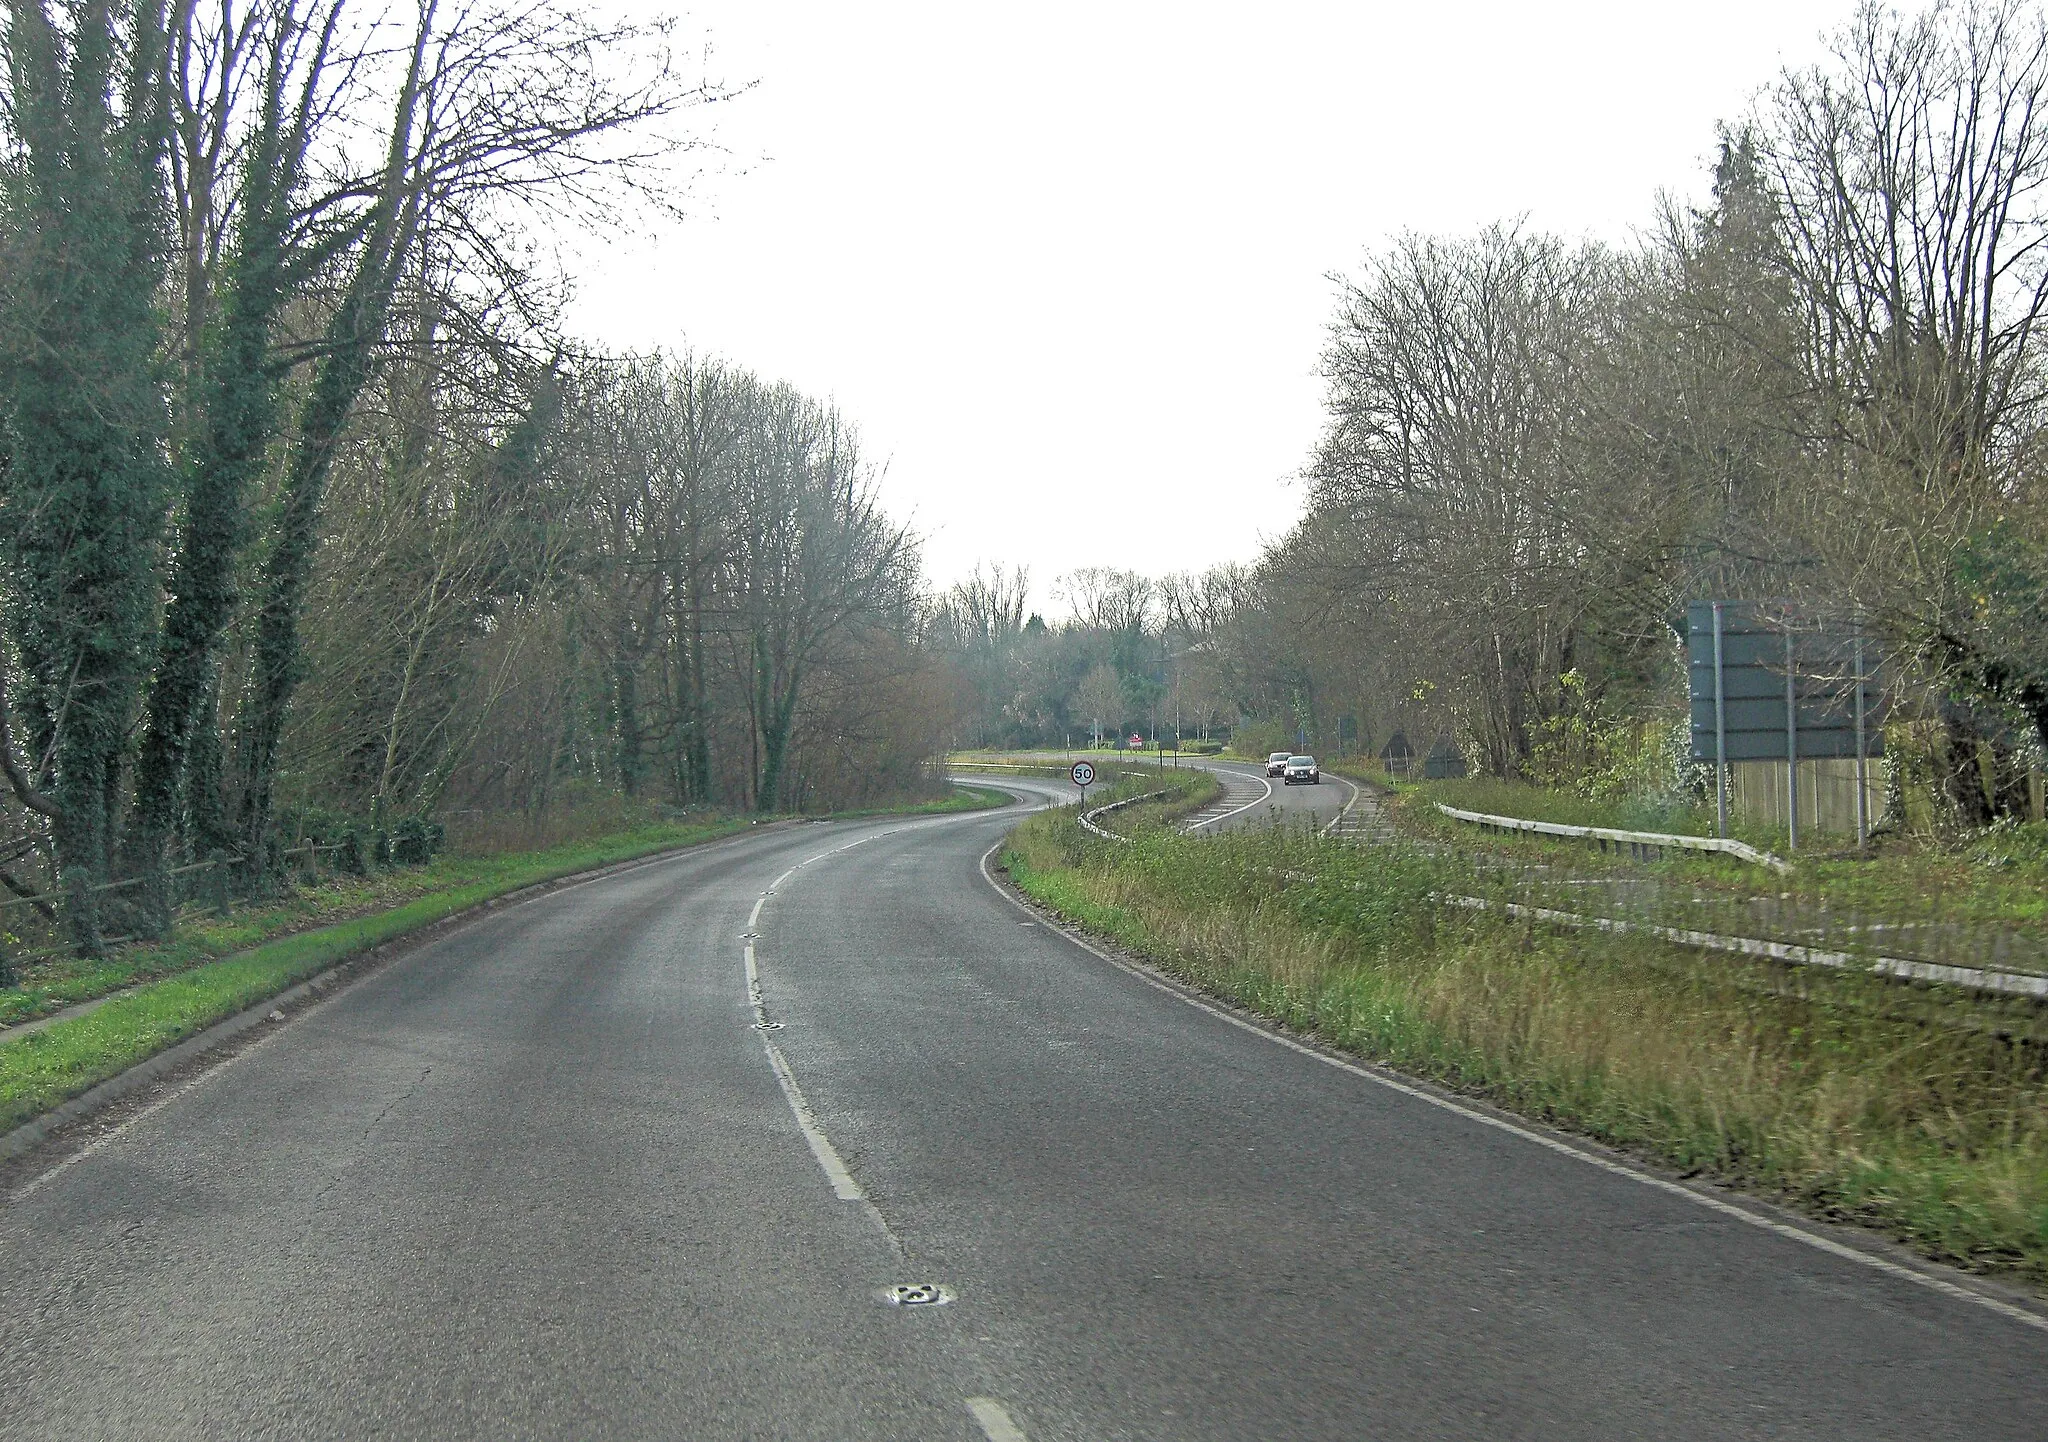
x=1826, y=384
x=1131, y=656
x=304, y=501
x=660, y=575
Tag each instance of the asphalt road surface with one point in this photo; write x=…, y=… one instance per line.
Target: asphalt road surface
x=550, y=1177
x=1251, y=799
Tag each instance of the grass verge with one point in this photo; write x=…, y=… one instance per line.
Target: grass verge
x=1808, y=1092
x=215, y=968
x=1188, y=790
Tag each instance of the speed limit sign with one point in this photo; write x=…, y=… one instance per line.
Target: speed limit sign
x=1083, y=774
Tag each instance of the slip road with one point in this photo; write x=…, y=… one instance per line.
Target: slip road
x=643, y=1158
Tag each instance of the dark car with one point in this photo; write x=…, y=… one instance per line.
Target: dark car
x=1276, y=764
x=1302, y=769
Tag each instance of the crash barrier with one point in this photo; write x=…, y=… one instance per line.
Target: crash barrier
x=1088, y=817
x=1973, y=978
x=1895, y=968
x=1647, y=845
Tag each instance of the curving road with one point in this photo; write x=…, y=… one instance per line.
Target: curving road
x=561, y=1175
x=1252, y=799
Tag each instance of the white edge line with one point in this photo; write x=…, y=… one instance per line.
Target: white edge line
x=1563, y=1148
x=1338, y=819
x=994, y=1420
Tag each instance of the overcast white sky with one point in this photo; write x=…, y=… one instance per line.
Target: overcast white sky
x=1066, y=265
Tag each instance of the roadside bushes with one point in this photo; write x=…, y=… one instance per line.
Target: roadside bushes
x=415, y=839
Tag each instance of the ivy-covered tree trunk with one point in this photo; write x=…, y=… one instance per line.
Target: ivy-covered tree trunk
x=85, y=406
x=202, y=808
x=241, y=412
x=1960, y=774
x=352, y=337
x=777, y=709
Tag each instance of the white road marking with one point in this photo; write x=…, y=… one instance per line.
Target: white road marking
x=844, y=1187
x=995, y=1420
x=1225, y=816
x=1561, y=1147
x=1338, y=820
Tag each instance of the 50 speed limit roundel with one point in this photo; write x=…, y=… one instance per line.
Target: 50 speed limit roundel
x=1083, y=774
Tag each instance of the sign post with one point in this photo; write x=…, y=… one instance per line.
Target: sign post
x=1720, y=734
x=1791, y=745
x=1083, y=776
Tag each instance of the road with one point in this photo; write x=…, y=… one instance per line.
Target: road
x=1251, y=799
x=549, y=1177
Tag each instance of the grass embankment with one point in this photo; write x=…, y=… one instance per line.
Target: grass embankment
x=1187, y=789
x=215, y=967
x=1936, y=1135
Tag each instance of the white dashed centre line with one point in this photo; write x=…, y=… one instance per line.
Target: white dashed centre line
x=994, y=1419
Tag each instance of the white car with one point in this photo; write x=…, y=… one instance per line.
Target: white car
x=1276, y=764
x=1302, y=770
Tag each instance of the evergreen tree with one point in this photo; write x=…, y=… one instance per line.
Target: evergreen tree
x=85, y=414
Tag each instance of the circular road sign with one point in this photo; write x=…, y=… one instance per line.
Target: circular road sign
x=1083, y=774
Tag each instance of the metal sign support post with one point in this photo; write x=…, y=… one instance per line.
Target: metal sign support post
x=1720, y=735
x=1791, y=745
x=1862, y=764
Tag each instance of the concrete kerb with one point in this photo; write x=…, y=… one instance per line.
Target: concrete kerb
x=329, y=979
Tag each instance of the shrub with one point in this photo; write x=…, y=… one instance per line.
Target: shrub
x=415, y=839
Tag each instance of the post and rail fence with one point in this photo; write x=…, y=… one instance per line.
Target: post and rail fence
x=207, y=886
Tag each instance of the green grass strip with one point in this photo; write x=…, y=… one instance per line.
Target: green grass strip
x=963, y=798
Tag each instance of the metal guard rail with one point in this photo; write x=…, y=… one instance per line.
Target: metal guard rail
x=1088, y=817
x=1739, y=849
x=1970, y=978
